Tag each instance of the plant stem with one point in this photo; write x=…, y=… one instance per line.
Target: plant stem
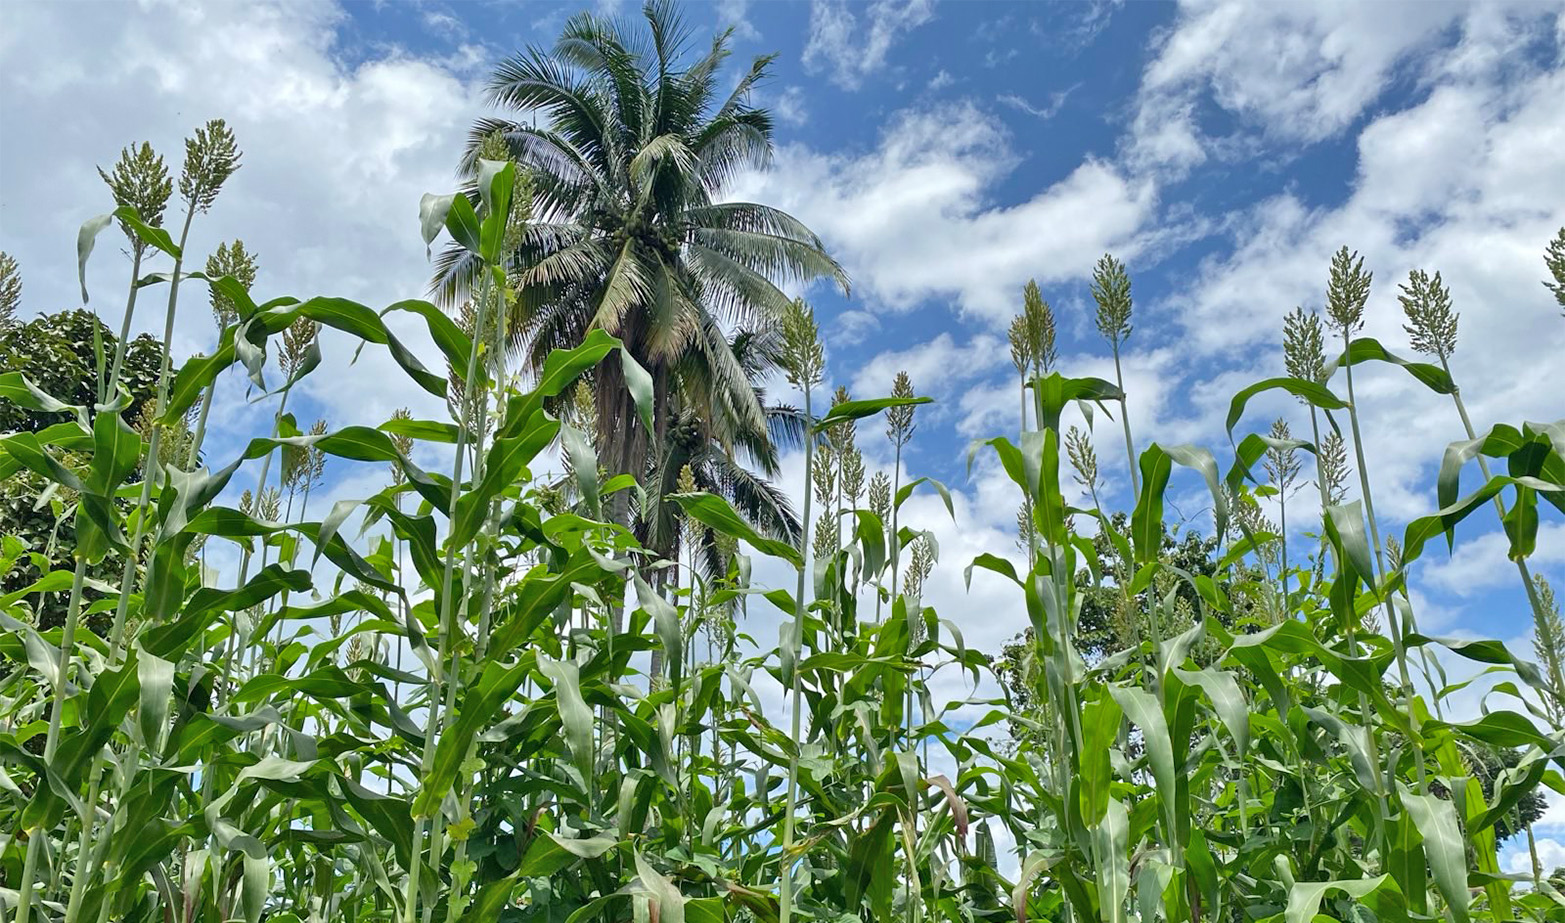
x=447, y=625
x=137, y=250
x=35, y=838
x=1124, y=417
x=1499, y=503
x=786, y=907
x=133, y=554
x=200, y=433
x=1374, y=534
x=150, y=467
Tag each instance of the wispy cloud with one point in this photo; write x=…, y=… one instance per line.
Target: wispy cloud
x=1056, y=103
x=853, y=45
x=789, y=107
x=735, y=14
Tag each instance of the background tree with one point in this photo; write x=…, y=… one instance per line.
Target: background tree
x=10, y=289
x=629, y=232
x=55, y=352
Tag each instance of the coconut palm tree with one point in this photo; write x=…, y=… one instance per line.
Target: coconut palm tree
x=630, y=232
x=724, y=458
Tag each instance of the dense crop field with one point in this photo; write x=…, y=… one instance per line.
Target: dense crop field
x=491, y=692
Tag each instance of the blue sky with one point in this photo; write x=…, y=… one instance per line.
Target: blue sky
x=947, y=152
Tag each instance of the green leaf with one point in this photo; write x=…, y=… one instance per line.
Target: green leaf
x=1037, y=863
x=638, y=381
x=907, y=489
x=1348, y=522
x=504, y=464
x=1316, y=395
x=584, y=465
x=550, y=853
x=156, y=677
x=666, y=619
x=1143, y=710
x=1100, y=724
x=86, y=239
x=1305, y=896
x=19, y=390
x=1367, y=349
x=1054, y=392
x=716, y=513
x=575, y=716
x=462, y=223
x=479, y=703
x=495, y=181
x=432, y=211
x=1146, y=521
x=455, y=345
x=857, y=410
x=1111, y=853
x=1444, y=846
x=992, y=562
x=1201, y=460
x=153, y=237
x=1227, y=699
x=670, y=903
x=116, y=452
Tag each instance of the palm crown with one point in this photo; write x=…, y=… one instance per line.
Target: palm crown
x=630, y=230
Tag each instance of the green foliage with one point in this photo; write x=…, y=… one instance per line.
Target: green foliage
x=430, y=703
x=139, y=181
x=1554, y=259
x=55, y=352
x=10, y=289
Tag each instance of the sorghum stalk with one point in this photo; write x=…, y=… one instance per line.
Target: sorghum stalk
x=1432, y=328
x=794, y=693
x=151, y=194
x=1111, y=291
x=486, y=608
x=36, y=837
x=803, y=360
x=447, y=620
x=1347, y=295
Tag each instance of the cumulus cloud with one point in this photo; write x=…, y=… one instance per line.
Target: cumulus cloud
x=915, y=219
x=337, y=155
x=735, y=14
x=1450, y=183
x=1293, y=72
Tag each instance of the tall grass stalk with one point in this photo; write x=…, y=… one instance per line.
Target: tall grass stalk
x=803, y=361
x=448, y=607
x=1347, y=295
x=1111, y=291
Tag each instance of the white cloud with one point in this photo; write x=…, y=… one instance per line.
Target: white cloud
x=1293, y=72
x=938, y=367
x=789, y=107
x=1056, y=103
x=1482, y=565
x=1551, y=855
x=735, y=14
x=336, y=156
x=1451, y=183
x=915, y=219
x=853, y=45
x=941, y=80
